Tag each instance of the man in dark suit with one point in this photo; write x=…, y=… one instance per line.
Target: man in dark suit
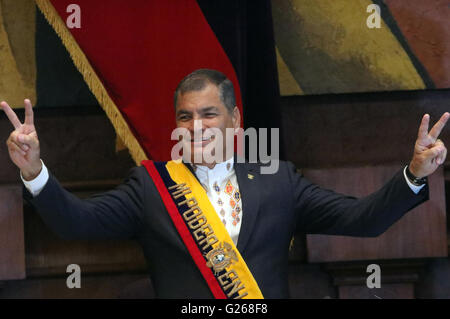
x=261, y=212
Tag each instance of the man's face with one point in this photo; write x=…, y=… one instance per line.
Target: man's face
x=205, y=106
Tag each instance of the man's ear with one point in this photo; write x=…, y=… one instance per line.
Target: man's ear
x=236, y=118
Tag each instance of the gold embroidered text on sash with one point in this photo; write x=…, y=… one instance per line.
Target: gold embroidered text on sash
x=218, y=258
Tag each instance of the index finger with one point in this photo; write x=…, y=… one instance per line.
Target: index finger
x=28, y=112
x=423, y=128
x=11, y=115
x=437, y=128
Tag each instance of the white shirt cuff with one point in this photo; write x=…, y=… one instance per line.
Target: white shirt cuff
x=36, y=185
x=416, y=189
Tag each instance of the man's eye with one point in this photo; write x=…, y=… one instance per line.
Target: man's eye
x=210, y=114
x=183, y=118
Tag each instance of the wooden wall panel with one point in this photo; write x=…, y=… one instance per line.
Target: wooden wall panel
x=420, y=233
x=391, y=291
x=107, y=286
x=348, y=130
x=12, y=251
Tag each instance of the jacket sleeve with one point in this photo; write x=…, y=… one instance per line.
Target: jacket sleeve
x=116, y=214
x=322, y=211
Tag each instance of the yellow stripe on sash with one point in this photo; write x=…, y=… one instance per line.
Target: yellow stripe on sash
x=237, y=277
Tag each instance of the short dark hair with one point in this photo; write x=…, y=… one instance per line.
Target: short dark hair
x=199, y=79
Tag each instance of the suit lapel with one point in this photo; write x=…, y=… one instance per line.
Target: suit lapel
x=248, y=179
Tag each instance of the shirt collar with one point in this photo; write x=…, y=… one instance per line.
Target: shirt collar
x=220, y=170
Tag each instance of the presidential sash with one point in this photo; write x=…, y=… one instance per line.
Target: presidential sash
x=202, y=231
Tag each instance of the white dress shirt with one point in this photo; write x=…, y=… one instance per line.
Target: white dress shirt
x=221, y=186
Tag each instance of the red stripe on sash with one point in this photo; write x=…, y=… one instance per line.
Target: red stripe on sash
x=184, y=231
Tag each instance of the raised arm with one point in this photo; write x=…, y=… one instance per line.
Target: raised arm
x=112, y=215
x=326, y=212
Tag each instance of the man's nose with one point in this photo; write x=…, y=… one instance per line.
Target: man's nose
x=196, y=125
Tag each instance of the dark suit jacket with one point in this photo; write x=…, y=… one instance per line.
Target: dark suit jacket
x=274, y=207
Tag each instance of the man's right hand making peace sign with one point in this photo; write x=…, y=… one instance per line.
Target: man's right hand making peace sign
x=23, y=142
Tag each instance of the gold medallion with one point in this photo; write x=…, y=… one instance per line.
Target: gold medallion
x=221, y=257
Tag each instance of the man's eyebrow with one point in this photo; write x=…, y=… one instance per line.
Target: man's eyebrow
x=183, y=112
x=203, y=110
x=209, y=108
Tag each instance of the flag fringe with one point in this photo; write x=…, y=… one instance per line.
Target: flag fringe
x=92, y=80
